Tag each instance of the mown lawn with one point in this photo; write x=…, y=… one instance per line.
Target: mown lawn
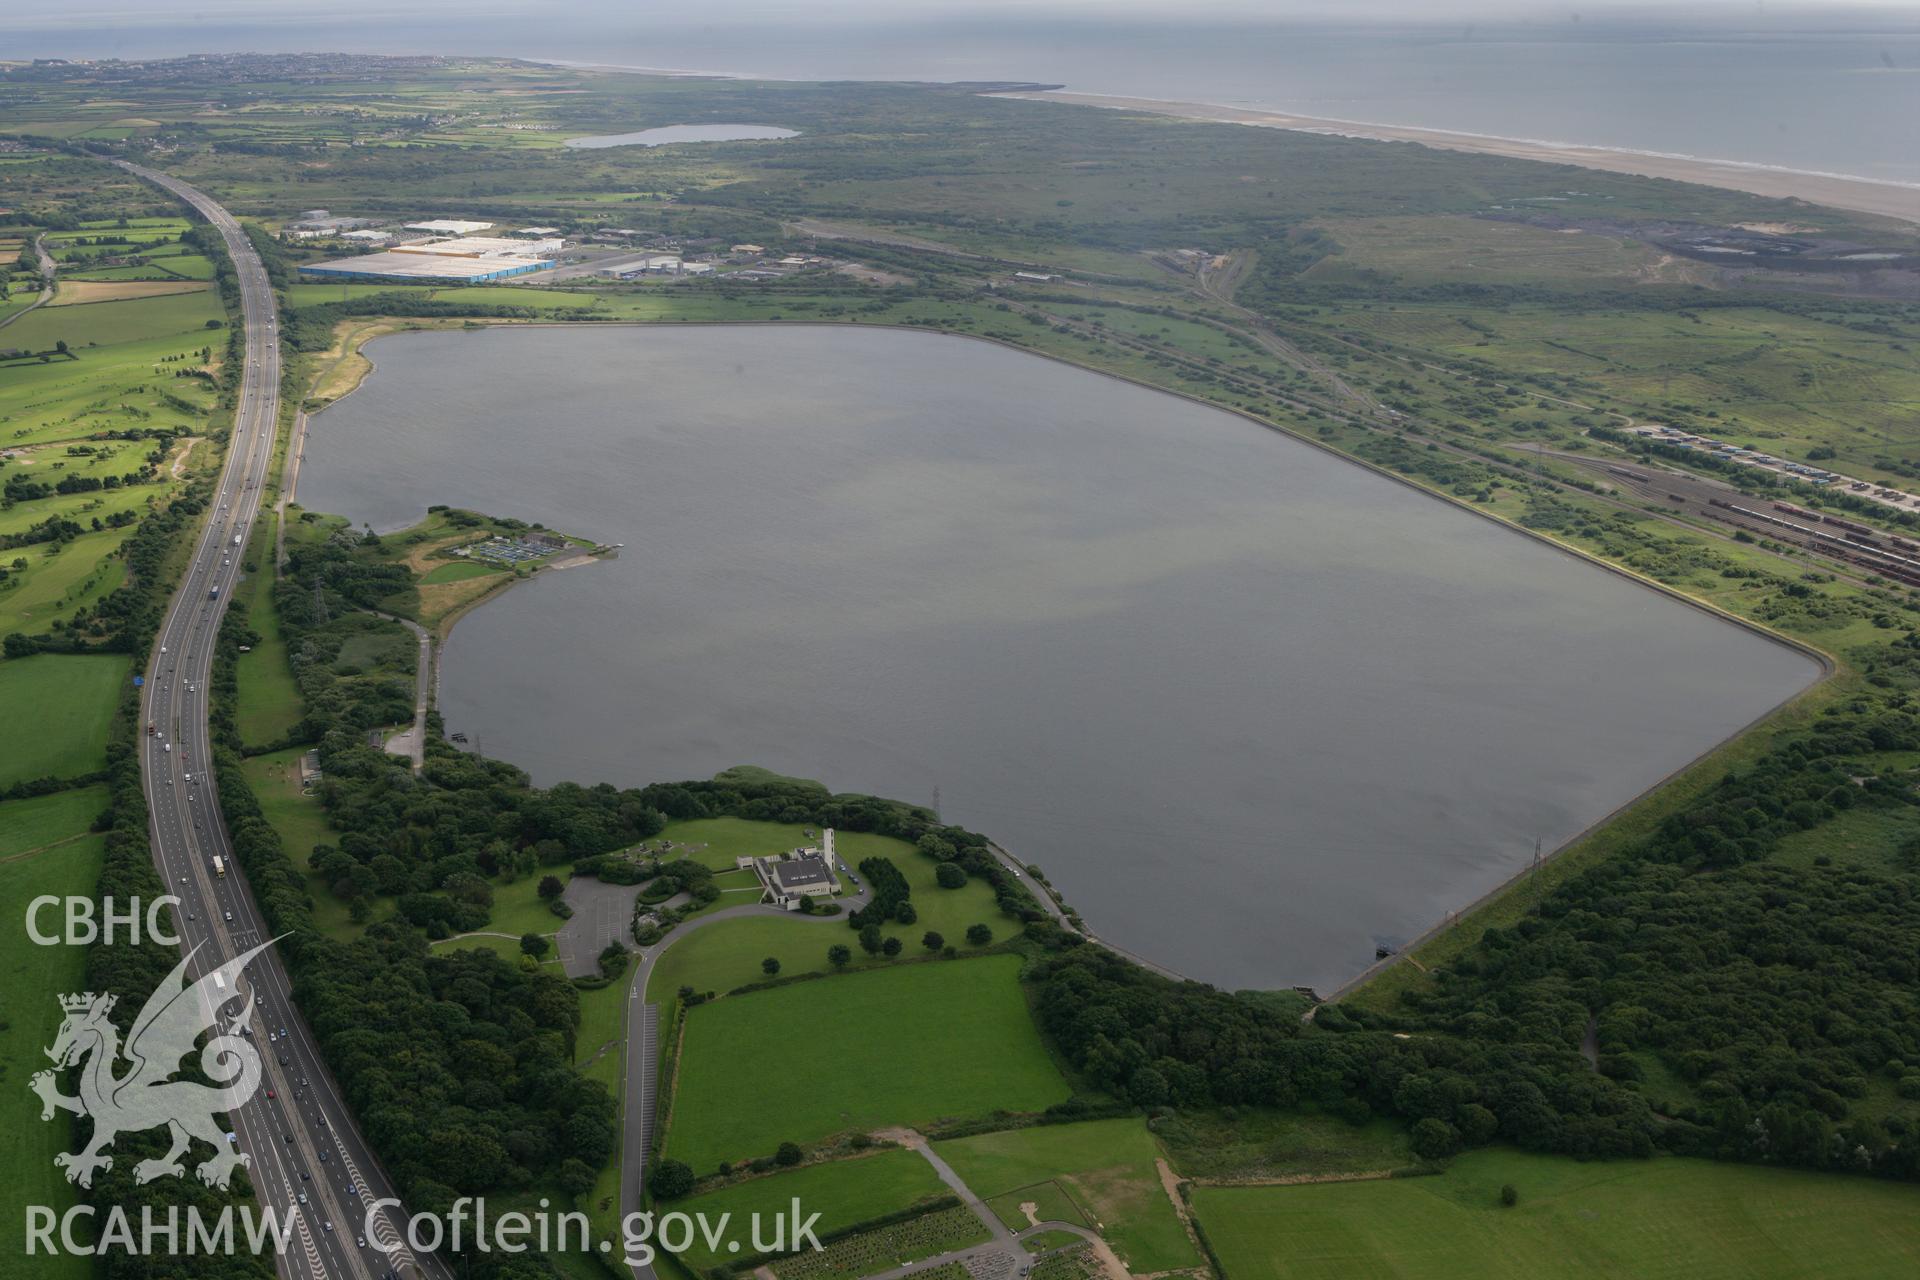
x=907, y=1045
x=1105, y=1168
x=59, y=708
x=719, y=841
x=842, y=1192
x=720, y=957
x=1665, y=1218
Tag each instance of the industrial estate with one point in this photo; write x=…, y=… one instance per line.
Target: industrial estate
x=473, y=969
x=450, y=253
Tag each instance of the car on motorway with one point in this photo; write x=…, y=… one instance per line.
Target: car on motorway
x=303, y=1197
x=269, y=1093
x=229, y=917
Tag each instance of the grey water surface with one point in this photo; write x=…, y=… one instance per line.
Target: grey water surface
x=1253, y=708
x=665, y=135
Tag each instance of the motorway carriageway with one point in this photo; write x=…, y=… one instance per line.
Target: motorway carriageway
x=297, y=1132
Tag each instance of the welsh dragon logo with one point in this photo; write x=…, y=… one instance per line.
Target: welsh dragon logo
x=146, y=1096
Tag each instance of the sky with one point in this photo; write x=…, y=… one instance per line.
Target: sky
x=71, y=13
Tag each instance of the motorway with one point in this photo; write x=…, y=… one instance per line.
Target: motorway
x=304, y=1148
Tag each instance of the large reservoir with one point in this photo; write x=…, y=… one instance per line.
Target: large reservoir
x=1254, y=709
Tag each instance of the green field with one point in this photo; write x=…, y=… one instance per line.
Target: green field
x=843, y=1192
x=108, y=323
x=1104, y=1168
x=456, y=571
x=61, y=579
x=34, y=976
x=1669, y=1219
x=269, y=701
x=42, y=821
x=123, y=372
x=69, y=701
x=908, y=1045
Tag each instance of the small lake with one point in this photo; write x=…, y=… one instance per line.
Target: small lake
x=672, y=133
x=1253, y=708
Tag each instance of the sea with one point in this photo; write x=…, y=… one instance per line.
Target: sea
x=1817, y=90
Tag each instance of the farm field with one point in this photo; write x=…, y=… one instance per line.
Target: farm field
x=1103, y=1168
x=128, y=320
x=907, y=1045
x=122, y=374
x=69, y=701
x=40, y=821
x=30, y=1015
x=1663, y=1218
x=843, y=1192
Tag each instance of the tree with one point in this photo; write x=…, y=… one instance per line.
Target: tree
x=534, y=945
x=575, y=1178
x=1147, y=1088
x=932, y=941
x=1433, y=1139
x=770, y=966
x=905, y=913
x=1509, y=1195
x=551, y=887
x=670, y=1180
x=978, y=935
x=838, y=956
x=870, y=940
x=890, y=948
x=950, y=875
x=788, y=1154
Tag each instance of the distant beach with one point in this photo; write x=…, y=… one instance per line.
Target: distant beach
x=1840, y=191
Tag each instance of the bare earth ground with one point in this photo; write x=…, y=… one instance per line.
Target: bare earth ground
x=1887, y=199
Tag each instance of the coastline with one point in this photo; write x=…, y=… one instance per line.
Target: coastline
x=1839, y=191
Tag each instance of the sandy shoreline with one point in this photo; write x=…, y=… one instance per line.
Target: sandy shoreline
x=1857, y=194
